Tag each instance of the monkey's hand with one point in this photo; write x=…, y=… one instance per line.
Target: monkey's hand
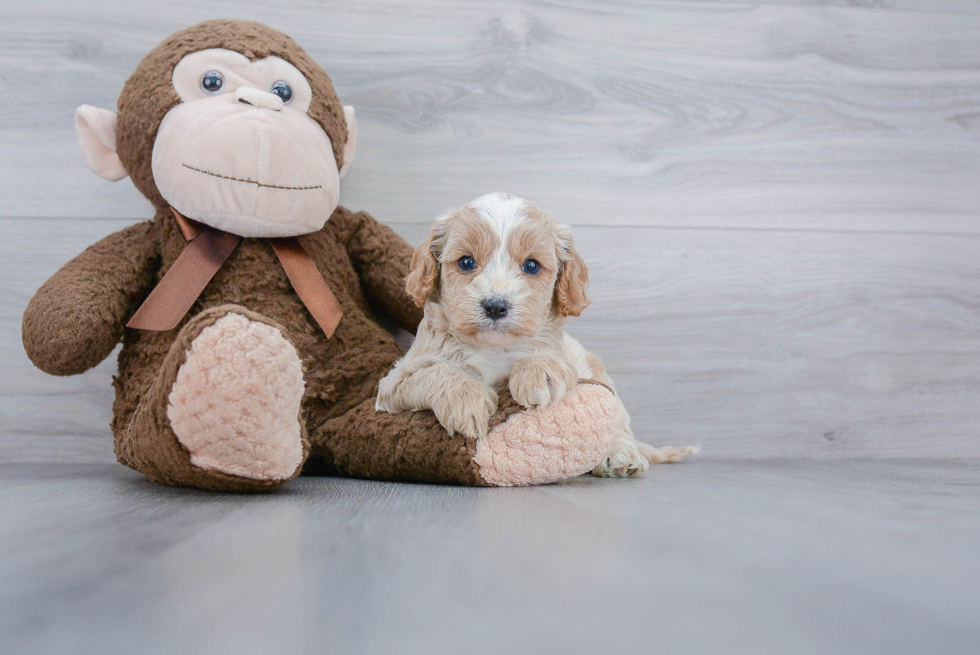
x=539, y=380
x=76, y=318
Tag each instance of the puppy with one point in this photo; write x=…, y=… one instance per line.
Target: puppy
x=498, y=279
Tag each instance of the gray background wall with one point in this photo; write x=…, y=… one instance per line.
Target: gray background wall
x=778, y=200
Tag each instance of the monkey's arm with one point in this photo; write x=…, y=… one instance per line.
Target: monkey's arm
x=383, y=260
x=76, y=318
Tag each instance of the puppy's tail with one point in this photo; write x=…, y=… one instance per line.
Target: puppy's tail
x=666, y=454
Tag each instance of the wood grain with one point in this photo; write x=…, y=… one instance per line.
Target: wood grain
x=762, y=557
x=930, y=6
x=778, y=199
x=794, y=115
x=750, y=342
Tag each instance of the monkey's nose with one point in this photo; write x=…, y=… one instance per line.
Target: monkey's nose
x=257, y=98
x=495, y=308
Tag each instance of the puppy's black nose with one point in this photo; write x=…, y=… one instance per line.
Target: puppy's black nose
x=495, y=308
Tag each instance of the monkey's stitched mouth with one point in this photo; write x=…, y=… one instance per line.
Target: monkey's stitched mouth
x=256, y=183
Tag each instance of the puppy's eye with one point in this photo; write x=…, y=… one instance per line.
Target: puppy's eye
x=531, y=267
x=466, y=263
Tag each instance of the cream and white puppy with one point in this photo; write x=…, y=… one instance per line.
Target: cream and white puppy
x=498, y=279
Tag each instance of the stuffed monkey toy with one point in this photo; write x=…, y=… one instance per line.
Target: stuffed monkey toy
x=247, y=306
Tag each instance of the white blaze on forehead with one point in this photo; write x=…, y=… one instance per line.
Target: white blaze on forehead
x=502, y=211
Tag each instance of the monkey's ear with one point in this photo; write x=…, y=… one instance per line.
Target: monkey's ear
x=97, y=136
x=351, y=146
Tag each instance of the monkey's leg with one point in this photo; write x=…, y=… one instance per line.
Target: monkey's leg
x=523, y=447
x=223, y=412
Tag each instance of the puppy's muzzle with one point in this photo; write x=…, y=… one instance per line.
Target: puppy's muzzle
x=495, y=308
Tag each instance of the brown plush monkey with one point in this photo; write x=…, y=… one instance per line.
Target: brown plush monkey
x=246, y=306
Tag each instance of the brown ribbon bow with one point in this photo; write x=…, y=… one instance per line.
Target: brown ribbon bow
x=207, y=251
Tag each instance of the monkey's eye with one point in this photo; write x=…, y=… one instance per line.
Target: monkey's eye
x=212, y=82
x=283, y=90
x=531, y=267
x=466, y=263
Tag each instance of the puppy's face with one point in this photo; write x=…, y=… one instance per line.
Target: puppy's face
x=500, y=268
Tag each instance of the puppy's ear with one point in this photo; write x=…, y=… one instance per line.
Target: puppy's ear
x=573, y=278
x=422, y=279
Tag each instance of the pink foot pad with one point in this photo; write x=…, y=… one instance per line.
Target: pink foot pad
x=551, y=443
x=235, y=403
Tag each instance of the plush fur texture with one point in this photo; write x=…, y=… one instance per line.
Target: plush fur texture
x=147, y=442
x=247, y=389
x=520, y=448
x=568, y=440
x=235, y=403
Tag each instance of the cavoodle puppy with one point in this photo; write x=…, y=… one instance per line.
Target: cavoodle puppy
x=498, y=279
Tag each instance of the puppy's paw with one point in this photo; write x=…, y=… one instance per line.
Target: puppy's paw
x=385, y=402
x=540, y=380
x=623, y=460
x=467, y=409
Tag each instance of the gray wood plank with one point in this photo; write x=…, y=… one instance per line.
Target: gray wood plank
x=752, y=343
x=778, y=556
x=925, y=6
x=798, y=116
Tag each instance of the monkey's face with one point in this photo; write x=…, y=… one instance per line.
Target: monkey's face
x=252, y=142
x=240, y=152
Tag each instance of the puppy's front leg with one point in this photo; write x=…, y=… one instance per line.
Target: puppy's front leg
x=540, y=380
x=460, y=403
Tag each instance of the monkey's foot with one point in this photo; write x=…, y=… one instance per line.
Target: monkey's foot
x=552, y=443
x=235, y=403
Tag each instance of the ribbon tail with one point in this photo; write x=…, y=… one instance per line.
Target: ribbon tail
x=183, y=283
x=308, y=283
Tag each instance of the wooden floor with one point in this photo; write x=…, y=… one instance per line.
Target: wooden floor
x=779, y=201
x=734, y=556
